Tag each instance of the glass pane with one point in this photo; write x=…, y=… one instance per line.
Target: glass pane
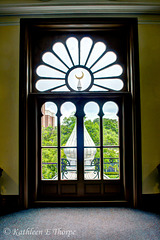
x=68, y=125
x=69, y=164
x=61, y=89
x=96, y=88
x=47, y=84
x=79, y=79
x=91, y=125
x=85, y=47
x=49, y=124
x=108, y=58
x=113, y=71
x=97, y=51
x=111, y=163
x=72, y=44
x=92, y=163
x=111, y=84
x=52, y=60
x=48, y=72
x=110, y=124
x=62, y=53
x=49, y=164
x=91, y=139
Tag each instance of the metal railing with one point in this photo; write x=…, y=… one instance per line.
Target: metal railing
x=108, y=167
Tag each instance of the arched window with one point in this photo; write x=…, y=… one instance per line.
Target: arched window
x=80, y=111
x=79, y=65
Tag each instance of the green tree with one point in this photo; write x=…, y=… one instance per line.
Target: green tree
x=49, y=155
x=110, y=137
x=67, y=128
x=93, y=130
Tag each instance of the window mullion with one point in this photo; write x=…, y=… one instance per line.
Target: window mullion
x=59, y=144
x=101, y=144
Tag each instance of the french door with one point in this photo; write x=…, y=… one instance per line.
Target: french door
x=78, y=150
x=79, y=111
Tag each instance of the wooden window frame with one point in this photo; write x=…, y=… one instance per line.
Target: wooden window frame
x=133, y=85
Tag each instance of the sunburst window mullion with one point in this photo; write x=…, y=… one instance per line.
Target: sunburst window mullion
x=82, y=62
x=69, y=55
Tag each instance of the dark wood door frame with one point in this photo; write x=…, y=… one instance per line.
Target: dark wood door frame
x=26, y=85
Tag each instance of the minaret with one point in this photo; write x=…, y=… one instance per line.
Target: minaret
x=71, y=153
x=79, y=86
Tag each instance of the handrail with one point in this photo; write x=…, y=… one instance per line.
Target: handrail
x=65, y=164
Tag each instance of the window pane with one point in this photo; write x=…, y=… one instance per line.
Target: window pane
x=97, y=51
x=91, y=164
x=79, y=66
x=111, y=84
x=49, y=124
x=111, y=163
x=79, y=79
x=91, y=125
x=110, y=124
x=62, y=53
x=91, y=139
x=85, y=47
x=48, y=72
x=113, y=71
x=69, y=164
x=52, y=60
x=97, y=89
x=72, y=44
x=108, y=58
x=68, y=125
x=49, y=164
x=68, y=139
x=47, y=84
x=61, y=89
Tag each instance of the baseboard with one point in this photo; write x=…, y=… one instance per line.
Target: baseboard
x=151, y=202
x=9, y=203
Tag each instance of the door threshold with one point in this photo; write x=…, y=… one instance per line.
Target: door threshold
x=113, y=203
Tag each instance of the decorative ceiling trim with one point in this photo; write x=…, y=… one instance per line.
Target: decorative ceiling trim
x=17, y=23
x=45, y=9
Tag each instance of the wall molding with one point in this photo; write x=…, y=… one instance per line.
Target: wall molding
x=108, y=7
x=6, y=21
x=11, y=203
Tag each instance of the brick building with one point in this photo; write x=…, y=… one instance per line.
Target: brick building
x=48, y=118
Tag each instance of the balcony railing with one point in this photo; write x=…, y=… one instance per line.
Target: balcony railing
x=110, y=167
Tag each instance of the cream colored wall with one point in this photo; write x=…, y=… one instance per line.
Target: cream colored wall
x=9, y=93
x=149, y=48
x=149, y=51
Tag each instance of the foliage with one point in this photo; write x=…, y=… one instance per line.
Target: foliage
x=67, y=128
x=49, y=136
x=110, y=138
x=49, y=155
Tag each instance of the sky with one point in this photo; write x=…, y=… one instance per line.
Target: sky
x=91, y=109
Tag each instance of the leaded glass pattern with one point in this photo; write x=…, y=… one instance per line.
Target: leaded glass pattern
x=79, y=65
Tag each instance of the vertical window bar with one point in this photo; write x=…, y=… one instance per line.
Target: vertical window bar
x=58, y=144
x=101, y=143
x=89, y=54
x=79, y=52
x=69, y=54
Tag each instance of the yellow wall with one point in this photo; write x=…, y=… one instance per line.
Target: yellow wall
x=149, y=52
x=9, y=93
x=149, y=48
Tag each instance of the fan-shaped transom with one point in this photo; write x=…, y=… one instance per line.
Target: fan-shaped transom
x=79, y=65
